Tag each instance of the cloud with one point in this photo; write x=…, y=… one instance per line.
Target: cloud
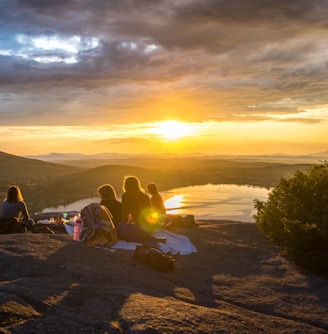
x=117, y=61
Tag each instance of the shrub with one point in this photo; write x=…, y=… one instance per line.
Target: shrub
x=296, y=217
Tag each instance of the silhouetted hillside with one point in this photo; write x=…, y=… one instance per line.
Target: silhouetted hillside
x=29, y=174
x=15, y=169
x=47, y=184
x=83, y=184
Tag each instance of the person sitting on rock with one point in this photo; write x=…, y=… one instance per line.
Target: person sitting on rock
x=137, y=214
x=109, y=200
x=14, y=207
x=134, y=200
x=156, y=199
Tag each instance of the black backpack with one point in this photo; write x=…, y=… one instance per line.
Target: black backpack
x=154, y=257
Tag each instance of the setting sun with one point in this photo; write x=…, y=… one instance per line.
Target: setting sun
x=172, y=129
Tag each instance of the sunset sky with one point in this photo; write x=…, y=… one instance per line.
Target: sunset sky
x=152, y=76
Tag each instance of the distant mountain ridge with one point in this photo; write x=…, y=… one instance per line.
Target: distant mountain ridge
x=99, y=159
x=105, y=155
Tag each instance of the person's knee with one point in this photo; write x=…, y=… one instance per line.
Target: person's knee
x=29, y=223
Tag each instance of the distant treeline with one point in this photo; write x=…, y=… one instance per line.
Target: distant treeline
x=47, y=184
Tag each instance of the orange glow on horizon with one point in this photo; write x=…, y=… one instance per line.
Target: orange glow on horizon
x=169, y=136
x=172, y=129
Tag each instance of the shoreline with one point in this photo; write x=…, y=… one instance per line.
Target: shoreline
x=231, y=201
x=199, y=221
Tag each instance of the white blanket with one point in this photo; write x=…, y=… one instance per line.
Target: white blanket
x=175, y=243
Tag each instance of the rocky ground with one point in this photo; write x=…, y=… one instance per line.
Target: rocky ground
x=235, y=283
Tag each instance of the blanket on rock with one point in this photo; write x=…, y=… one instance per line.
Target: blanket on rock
x=175, y=243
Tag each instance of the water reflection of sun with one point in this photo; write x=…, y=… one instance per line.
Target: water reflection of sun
x=173, y=204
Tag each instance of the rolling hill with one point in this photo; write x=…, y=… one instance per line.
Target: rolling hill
x=15, y=169
x=46, y=184
x=30, y=175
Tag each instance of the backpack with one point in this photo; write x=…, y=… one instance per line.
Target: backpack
x=98, y=227
x=154, y=257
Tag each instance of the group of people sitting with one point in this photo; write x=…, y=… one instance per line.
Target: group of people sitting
x=138, y=215
x=135, y=201
x=134, y=215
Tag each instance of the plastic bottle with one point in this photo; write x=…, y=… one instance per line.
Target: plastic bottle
x=77, y=229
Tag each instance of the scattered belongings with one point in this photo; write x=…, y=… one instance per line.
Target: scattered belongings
x=54, y=222
x=54, y=216
x=63, y=223
x=49, y=228
x=154, y=257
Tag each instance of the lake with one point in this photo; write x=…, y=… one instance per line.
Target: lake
x=210, y=201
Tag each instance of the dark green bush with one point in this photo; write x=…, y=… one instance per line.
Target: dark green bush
x=296, y=217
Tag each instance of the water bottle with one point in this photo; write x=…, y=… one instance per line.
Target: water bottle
x=77, y=229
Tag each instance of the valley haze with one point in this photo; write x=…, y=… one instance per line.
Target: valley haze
x=62, y=178
x=98, y=159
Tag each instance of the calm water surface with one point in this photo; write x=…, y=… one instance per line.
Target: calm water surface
x=211, y=201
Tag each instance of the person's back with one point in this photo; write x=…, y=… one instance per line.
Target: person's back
x=115, y=208
x=156, y=199
x=108, y=198
x=14, y=206
x=134, y=200
x=15, y=209
x=136, y=204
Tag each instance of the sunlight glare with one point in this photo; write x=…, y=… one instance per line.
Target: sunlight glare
x=172, y=129
x=172, y=204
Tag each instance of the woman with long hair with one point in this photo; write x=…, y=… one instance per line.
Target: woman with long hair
x=156, y=199
x=109, y=200
x=13, y=206
x=136, y=214
x=135, y=201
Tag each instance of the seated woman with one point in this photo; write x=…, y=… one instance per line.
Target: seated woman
x=14, y=207
x=156, y=199
x=109, y=200
x=134, y=200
